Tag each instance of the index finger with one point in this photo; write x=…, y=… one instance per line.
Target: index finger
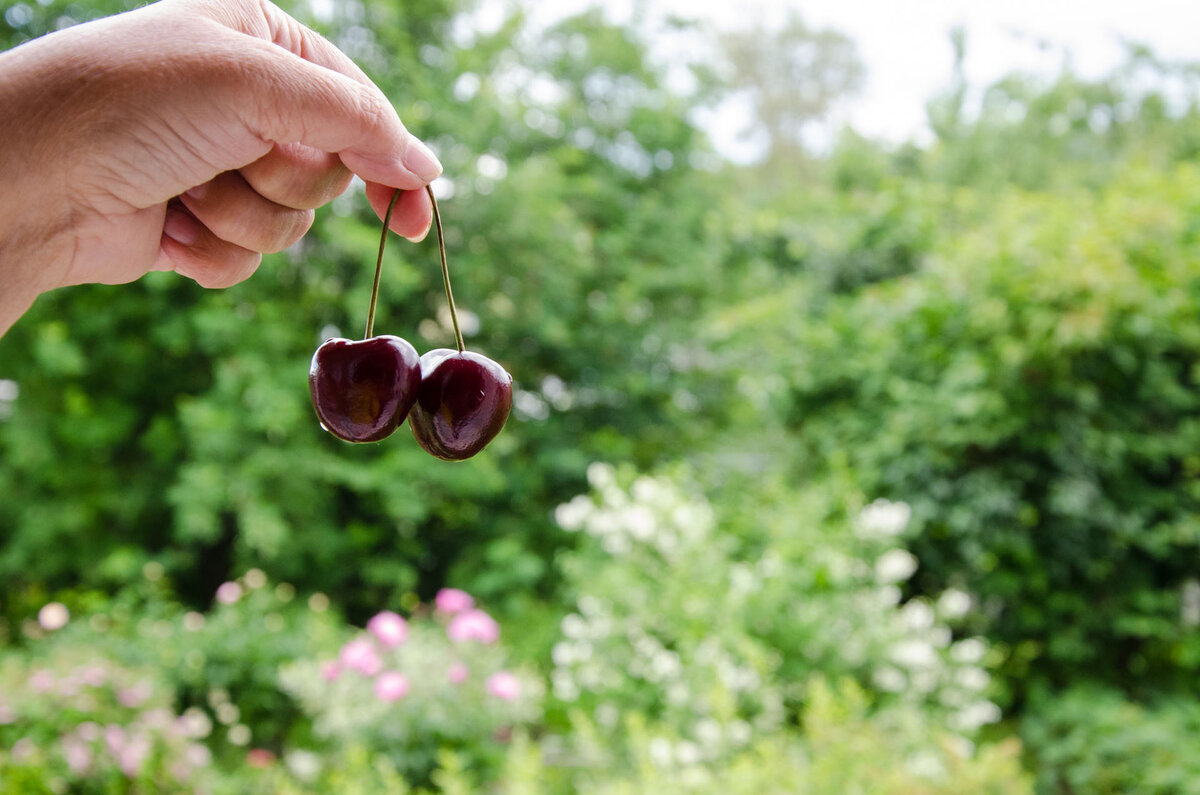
x=372, y=160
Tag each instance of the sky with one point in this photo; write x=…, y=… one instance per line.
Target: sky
x=905, y=45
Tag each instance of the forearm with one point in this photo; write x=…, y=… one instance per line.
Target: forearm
x=35, y=239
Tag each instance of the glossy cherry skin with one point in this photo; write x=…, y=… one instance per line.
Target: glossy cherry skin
x=462, y=404
x=363, y=389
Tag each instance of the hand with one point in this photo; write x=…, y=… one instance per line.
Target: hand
x=190, y=135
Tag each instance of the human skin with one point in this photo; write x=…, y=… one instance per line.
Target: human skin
x=189, y=135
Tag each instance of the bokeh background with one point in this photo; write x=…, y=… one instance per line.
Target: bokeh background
x=855, y=448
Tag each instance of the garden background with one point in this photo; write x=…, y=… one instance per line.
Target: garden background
x=862, y=468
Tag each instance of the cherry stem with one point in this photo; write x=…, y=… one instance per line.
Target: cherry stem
x=437, y=221
x=387, y=218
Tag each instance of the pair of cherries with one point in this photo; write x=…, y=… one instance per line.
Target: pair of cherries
x=455, y=401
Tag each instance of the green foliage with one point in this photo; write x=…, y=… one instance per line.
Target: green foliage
x=177, y=420
x=843, y=747
x=1031, y=393
x=1093, y=739
x=672, y=622
x=458, y=698
x=72, y=719
x=760, y=372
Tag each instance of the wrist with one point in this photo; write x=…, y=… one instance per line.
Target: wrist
x=36, y=244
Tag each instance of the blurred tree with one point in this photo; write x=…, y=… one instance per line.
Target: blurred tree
x=161, y=420
x=792, y=77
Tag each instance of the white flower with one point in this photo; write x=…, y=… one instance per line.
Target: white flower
x=688, y=753
x=770, y=566
x=895, y=565
x=581, y=650
x=954, y=603
x=968, y=651
x=54, y=615
x=924, y=681
x=239, y=734
x=616, y=545
x=739, y=732
x=607, y=715
x=972, y=678
x=227, y=712
x=890, y=679
x=650, y=491
x=1189, y=608
x=960, y=746
x=195, y=723
x=305, y=765
x=917, y=616
x=914, y=654
x=561, y=654
x=591, y=606
x=708, y=732
x=193, y=621
x=565, y=688
x=742, y=579
x=660, y=752
x=573, y=625
x=974, y=715
x=665, y=664
x=882, y=519
x=572, y=515
x=889, y=595
x=601, y=476
x=638, y=522
x=925, y=764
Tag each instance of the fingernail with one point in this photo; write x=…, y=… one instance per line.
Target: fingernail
x=181, y=227
x=421, y=161
x=198, y=191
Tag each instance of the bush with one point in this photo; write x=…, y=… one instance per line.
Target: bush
x=1032, y=393
x=413, y=691
x=1095, y=740
x=844, y=747
x=74, y=720
x=672, y=623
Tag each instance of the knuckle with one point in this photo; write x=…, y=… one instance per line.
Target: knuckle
x=374, y=109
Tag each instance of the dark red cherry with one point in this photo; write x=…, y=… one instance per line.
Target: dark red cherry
x=363, y=389
x=462, y=404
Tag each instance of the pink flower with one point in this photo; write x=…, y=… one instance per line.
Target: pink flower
x=77, y=755
x=93, y=675
x=473, y=625
x=228, y=593
x=331, y=670
x=452, y=600
x=42, y=681
x=391, y=686
x=504, y=686
x=134, y=695
x=391, y=629
x=259, y=757
x=114, y=740
x=360, y=655
x=134, y=755
x=457, y=674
